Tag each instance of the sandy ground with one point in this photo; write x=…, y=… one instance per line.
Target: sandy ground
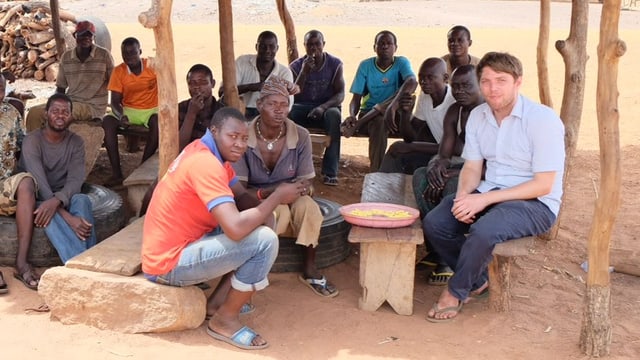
x=549, y=285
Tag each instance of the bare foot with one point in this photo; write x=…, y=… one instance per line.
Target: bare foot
x=447, y=307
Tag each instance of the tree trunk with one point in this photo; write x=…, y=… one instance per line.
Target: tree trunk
x=287, y=21
x=229, y=81
x=574, y=55
x=543, y=45
x=158, y=17
x=595, y=335
x=55, y=23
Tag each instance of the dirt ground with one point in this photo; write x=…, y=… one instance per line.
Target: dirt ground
x=549, y=287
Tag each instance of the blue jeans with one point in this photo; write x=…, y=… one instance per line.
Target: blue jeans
x=331, y=124
x=62, y=236
x=469, y=255
x=215, y=255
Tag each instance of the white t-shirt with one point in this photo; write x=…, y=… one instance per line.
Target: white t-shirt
x=434, y=117
x=247, y=73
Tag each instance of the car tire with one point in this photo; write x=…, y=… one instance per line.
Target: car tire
x=333, y=246
x=109, y=218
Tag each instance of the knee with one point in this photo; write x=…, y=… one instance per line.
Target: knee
x=80, y=200
x=333, y=116
x=268, y=241
x=110, y=124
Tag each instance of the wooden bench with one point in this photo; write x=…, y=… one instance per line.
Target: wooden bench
x=500, y=270
x=139, y=181
x=387, y=256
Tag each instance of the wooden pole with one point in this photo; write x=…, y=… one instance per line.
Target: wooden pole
x=287, y=21
x=574, y=55
x=158, y=17
x=55, y=23
x=543, y=45
x=595, y=335
x=229, y=81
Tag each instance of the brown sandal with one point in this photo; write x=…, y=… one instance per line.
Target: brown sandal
x=28, y=277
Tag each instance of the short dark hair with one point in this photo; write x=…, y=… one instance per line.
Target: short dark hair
x=460, y=28
x=267, y=35
x=385, y=32
x=220, y=116
x=463, y=70
x=56, y=97
x=313, y=33
x=200, y=68
x=500, y=62
x=129, y=41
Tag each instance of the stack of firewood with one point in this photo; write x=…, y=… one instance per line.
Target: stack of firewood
x=28, y=45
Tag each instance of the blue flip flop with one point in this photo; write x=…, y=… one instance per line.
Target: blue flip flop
x=241, y=339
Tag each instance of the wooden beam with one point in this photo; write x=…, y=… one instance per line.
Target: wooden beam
x=574, y=55
x=158, y=18
x=595, y=334
x=55, y=24
x=287, y=21
x=543, y=45
x=229, y=81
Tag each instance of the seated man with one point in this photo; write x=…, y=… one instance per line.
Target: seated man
x=55, y=157
x=522, y=143
x=440, y=176
x=194, y=114
x=253, y=70
x=421, y=133
x=376, y=89
x=319, y=76
x=83, y=75
x=458, y=43
x=17, y=189
x=194, y=230
x=279, y=153
x=134, y=102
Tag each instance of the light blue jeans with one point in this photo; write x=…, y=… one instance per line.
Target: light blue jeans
x=467, y=249
x=215, y=255
x=62, y=236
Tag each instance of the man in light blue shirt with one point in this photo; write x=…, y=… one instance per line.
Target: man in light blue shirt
x=522, y=144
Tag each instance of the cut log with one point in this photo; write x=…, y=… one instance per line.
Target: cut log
x=51, y=72
x=40, y=37
x=38, y=75
x=9, y=14
x=45, y=63
x=48, y=54
x=32, y=56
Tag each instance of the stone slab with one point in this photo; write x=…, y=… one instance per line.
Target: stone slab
x=118, y=254
x=120, y=303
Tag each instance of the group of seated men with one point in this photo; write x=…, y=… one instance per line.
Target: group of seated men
x=243, y=179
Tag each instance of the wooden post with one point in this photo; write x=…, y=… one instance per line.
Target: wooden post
x=595, y=335
x=287, y=21
x=543, y=45
x=229, y=81
x=574, y=55
x=158, y=17
x=55, y=23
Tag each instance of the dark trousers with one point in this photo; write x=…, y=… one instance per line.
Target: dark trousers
x=467, y=248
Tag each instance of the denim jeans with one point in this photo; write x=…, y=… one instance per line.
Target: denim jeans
x=467, y=248
x=62, y=236
x=215, y=255
x=330, y=122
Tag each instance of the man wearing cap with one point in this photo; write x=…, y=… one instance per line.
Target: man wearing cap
x=279, y=151
x=83, y=76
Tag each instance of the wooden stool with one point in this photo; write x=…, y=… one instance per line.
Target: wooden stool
x=500, y=271
x=387, y=256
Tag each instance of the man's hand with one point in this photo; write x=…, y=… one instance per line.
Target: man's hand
x=290, y=192
x=316, y=113
x=124, y=121
x=308, y=64
x=45, y=212
x=196, y=103
x=437, y=175
x=348, y=126
x=466, y=206
x=80, y=226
